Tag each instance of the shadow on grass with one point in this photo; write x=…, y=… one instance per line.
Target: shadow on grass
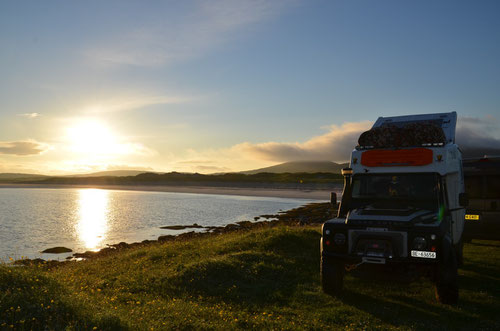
x=485, y=272
x=417, y=312
x=266, y=274
x=29, y=301
x=411, y=312
x=485, y=243
x=274, y=270
x=481, y=284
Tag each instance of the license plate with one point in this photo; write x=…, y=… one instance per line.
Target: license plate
x=472, y=217
x=423, y=254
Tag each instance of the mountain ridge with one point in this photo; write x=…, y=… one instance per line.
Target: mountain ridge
x=300, y=166
x=113, y=173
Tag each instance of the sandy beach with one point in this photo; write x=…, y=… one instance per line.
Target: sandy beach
x=243, y=191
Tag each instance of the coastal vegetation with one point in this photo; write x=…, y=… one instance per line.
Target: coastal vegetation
x=295, y=180
x=260, y=276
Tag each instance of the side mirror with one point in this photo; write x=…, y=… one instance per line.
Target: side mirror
x=346, y=172
x=333, y=198
x=463, y=199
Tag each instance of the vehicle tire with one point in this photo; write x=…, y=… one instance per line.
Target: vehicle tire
x=447, y=280
x=332, y=276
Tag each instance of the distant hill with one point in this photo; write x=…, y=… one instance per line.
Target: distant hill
x=275, y=180
x=15, y=177
x=301, y=166
x=111, y=173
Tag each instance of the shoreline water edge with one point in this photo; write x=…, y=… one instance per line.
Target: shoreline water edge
x=315, y=196
x=311, y=213
x=271, y=191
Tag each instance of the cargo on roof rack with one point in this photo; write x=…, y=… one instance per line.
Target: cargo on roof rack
x=446, y=121
x=429, y=130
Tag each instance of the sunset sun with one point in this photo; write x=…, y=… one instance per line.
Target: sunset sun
x=91, y=137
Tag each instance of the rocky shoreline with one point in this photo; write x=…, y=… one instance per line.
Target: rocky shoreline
x=312, y=213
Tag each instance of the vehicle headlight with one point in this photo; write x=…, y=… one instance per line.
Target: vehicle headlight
x=339, y=239
x=419, y=243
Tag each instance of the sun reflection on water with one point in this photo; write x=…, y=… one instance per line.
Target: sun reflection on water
x=93, y=217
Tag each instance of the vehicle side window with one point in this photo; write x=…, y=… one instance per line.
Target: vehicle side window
x=493, y=187
x=473, y=186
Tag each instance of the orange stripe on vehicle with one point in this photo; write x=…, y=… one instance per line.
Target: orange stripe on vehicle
x=398, y=157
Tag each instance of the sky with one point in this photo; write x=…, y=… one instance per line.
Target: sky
x=231, y=85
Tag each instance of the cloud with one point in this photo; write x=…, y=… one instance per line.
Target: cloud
x=126, y=148
x=126, y=103
x=30, y=115
x=128, y=167
x=24, y=168
x=475, y=137
x=208, y=25
x=22, y=148
x=211, y=160
x=209, y=169
x=201, y=165
x=197, y=161
x=335, y=145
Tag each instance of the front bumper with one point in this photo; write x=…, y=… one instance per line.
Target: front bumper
x=383, y=245
x=353, y=259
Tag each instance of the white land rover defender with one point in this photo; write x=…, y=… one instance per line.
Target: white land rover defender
x=402, y=205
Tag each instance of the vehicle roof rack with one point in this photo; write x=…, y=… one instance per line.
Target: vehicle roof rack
x=446, y=121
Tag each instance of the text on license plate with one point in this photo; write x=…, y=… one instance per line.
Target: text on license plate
x=471, y=217
x=423, y=254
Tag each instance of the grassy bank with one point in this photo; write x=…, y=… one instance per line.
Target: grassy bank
x=264, y=278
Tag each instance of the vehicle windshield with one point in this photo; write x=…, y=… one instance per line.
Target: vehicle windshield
x=397, y=190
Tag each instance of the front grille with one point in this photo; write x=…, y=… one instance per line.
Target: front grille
x=397, y=240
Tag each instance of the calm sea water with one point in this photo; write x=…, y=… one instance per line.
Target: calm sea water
x=32, y=220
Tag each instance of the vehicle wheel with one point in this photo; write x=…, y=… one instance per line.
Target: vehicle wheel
x=447, y=280
x=332, y=276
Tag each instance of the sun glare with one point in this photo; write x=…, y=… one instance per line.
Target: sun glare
x=92, y=137
x=91, y=145
x=94, y=212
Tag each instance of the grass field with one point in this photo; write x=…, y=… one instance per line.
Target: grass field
x=264, y=278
